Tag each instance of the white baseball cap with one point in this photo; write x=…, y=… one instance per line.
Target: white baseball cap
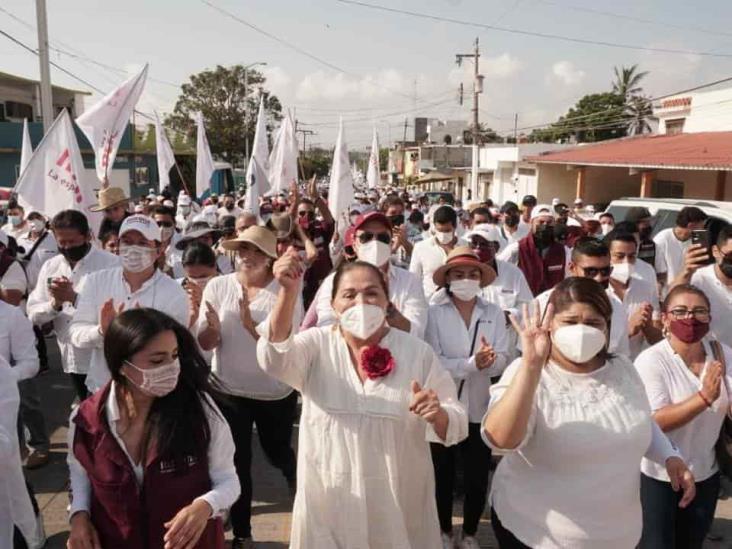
x=542, y=210
x=143, y=224
x=184, y=200
x=486, y=231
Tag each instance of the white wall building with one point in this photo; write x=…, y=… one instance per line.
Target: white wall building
x=702, y=111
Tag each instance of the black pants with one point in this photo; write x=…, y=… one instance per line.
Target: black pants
x=665, y=525
x=274, y=419
x=79, y=383
x=476, y=458
x=41, y=348
x=505, y=539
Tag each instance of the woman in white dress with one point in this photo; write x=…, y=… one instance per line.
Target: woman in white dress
x=373, y=399
x=574, y=422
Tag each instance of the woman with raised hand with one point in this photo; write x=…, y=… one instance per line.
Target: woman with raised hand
x=373, y=398
x=151, y=457
x=574, y=422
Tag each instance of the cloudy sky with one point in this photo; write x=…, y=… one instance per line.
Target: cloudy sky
x=327, y=58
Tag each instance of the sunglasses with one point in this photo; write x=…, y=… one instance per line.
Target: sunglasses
x=592, y=272
x=367, y=236
x=306, y=212
x=165, y=224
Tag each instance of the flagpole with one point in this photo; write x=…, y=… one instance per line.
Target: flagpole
x=180, y=174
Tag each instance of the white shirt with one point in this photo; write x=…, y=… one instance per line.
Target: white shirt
x=405, y=293
x=511, y=237
x=510, y=254
x=45, y=251
x=646, y=271
x=14, y=278
x=668, y=380
x=427, y=257
x=225, y=486
x=524, y=229
x=236, y=211
x=619, y=340
x=16, y=231
x=451, y=340
x=573, y=481
x=74, y=360
x=509, y=290
x=669, y=254
x=720, y=297
x=15, y=504
x=158, y=292
x=364, y=474
x=639, y=291
x=18, y=342
x=235, y=359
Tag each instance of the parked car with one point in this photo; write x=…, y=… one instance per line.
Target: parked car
x=664, y=211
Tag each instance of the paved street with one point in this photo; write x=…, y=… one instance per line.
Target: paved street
x=271, y=516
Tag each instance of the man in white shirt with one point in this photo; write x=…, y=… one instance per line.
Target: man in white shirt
x=591, y=259
x=38, y=245
x=137, y=283
x=408, y=308
x=510, y=230
x=17, y=224
x=431, y=253
x=528, y=203
x=229, y=207
x=639, y=296
x=54, y=298
x=672, y=243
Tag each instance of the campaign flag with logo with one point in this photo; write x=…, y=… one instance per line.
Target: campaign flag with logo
x=340, y=190
x=54, y=179
x=373, y=173
x=204, y=161
x=105, y=123
x=283, y=160
x=260, y=147
x=166, y=158
x=27, y=148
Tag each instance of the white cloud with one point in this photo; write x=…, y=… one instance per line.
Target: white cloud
x=500, y=67
x=277, y=79
x=334, y=87
x=566, y=73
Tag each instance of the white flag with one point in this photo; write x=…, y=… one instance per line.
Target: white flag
x=54, y=178
x=204, y=161
x=340, y=191
x=166, y=158
x=256, y=178
x=27, y=150
x=105, y=123
x=283, y=160
x=260, y=147
x=373, y=173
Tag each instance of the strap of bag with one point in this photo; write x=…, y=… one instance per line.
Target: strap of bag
x=472, y=347
x=37, y=243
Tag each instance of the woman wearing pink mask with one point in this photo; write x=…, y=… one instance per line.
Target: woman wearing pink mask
x=150, y=444
x=686, y=375
x=373, y=398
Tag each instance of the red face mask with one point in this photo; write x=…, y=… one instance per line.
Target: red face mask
x=689, y=330
x=485, y=255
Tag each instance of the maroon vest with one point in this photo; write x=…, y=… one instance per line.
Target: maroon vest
x=125, y=514
x=542, y=272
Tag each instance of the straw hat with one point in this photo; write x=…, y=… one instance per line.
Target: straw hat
x=463, y=256
x=108, y=197
x=261, y=237
x=281, y=225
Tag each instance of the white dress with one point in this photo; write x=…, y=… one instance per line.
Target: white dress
x=364, y=474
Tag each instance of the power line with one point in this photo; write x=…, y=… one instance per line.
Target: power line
x=390, y=115
x=530, y=33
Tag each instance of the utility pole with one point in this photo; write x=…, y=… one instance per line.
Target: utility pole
x=304, y=133
x=404, y=142
x=515, y=129
x=477, y=90
x=46, y=97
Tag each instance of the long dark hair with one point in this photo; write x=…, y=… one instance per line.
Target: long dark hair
x=179, y=419
x=344, y=268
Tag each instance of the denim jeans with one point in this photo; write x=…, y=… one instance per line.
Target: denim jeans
x=665, y=525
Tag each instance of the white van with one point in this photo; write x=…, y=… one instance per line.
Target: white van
x=664, y=211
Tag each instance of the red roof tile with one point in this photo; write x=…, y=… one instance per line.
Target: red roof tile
x=706, y=151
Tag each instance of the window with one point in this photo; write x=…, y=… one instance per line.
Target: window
x=675, y=126
x=667, y=189
x=527, y=171
x=13, y=109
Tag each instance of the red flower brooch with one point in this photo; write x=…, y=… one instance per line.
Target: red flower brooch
x=376, y=362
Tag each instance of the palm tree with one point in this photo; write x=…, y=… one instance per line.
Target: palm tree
x=627, y=81
x=638, y=109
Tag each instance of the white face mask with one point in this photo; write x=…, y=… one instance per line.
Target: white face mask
x=444, y=238
x=136, y=259
x=158, y=381
x=37, y=225
x=606, y=228
x=465, y=289
x=362, y=320
x=622, y=272
x=375, y=252
x=579, y=342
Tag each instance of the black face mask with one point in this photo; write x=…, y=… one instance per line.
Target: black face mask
x=396, y=220
x=544, y=236
x=726, y=267
x=645, y=233
x=511, y=220
x=75, y=253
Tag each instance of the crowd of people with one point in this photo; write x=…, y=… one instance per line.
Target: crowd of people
x=576, y=359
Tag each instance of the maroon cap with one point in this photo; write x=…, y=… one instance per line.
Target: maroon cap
x=371, y=216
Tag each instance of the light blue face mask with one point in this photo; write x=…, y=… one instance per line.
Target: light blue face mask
x=15, y=220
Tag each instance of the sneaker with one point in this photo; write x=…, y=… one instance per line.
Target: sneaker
x=469, y=542
x=447, y=541
x=37, y=459
x=242, y=543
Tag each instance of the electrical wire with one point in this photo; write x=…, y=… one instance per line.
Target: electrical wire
x=535, y=34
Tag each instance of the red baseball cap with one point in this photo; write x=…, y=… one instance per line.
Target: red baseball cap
x=370, y=216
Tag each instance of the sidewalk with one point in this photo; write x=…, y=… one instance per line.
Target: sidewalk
x=271, y=513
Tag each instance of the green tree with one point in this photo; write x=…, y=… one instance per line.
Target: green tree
x=316, y=161
x=229, y=109
x=638, y=108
